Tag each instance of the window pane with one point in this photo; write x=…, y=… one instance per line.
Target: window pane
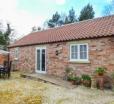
x=83, y=55
x=16, y=52
x=85, y=48
x=76, y=49
x=83, y=51
x=43, y=60
x=74, y=52
x=73, y=49
x=38, y=59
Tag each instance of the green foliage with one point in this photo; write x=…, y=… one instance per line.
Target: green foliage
x=54, y=21
x=57, y=20
x=77, y=78
x=100, y=70
x=51, y=23
x=71, y=16
x=68, y=70
x=86, y=13
x=4, y=37
x=69, y=78
x=56, y=17
x=71, y=75
x=66, y=20
x=73, y=78
x=86, y=77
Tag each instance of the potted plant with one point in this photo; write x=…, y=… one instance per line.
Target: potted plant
x=100, y=71
x=71, y=79
x=86, y=80
x=78, y=80
x=68, y=73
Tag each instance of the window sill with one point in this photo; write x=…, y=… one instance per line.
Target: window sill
x=80, y=62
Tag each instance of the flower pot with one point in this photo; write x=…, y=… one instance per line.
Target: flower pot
x=78, y=82
x=68, y=79
x=100, y=74
x=87, y=83
x=73, y=82
x=100, y=82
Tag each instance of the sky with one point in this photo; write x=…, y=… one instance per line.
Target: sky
x=24, y=14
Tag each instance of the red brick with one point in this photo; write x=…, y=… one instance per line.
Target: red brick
x=102, y=54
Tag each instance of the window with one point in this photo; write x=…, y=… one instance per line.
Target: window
x=74, y=52
x=16, y=53
x=79, y=52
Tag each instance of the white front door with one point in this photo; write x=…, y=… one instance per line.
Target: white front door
x=41, y=60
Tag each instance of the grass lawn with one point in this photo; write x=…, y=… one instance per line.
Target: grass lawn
x=18, y=90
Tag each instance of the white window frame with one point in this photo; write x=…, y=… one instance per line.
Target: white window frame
x=16, y=53
x=39, y=71
x=78, y=59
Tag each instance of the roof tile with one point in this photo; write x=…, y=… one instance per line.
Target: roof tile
x=92, y=28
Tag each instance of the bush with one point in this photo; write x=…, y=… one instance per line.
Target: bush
x=100, y=70
x=68, y=70
x=69, y=78
x=68, y=73
x=86, y=77
x=78, y=80
x=75, y=80
x=86, y=80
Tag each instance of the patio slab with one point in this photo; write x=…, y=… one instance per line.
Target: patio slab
x=49, y=79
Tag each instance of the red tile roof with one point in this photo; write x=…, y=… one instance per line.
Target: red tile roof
x=93, y=28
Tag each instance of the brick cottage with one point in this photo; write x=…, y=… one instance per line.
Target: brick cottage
x=82, y=45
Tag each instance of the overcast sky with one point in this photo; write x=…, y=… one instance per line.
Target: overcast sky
x=24, y=14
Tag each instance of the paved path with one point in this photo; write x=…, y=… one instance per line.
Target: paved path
x=49, y=79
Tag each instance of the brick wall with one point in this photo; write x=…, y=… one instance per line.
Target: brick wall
x=3, y=58
x=101, y=53
x=26, y=59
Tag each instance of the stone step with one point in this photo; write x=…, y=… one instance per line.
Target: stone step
x=49, y=79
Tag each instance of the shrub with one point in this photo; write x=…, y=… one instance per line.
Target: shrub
x=68, y=70
x=86, y=77
x=78, y=80
x=86, y=80
x=70, y=78
x=75, y=80
x=100, y=70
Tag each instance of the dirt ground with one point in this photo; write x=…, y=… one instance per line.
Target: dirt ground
x=17, y=90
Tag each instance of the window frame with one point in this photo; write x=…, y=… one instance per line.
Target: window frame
x=78, y=55
x=16, y=54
